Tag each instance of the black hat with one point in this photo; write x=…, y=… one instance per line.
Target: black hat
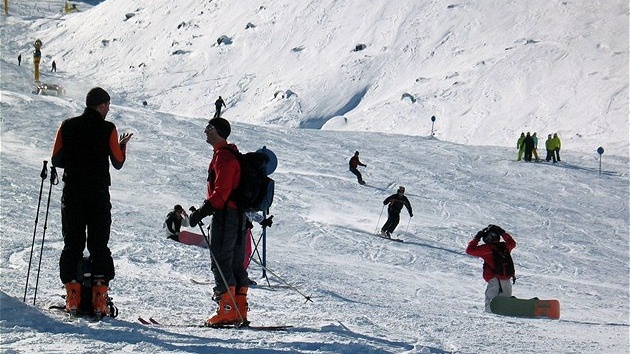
x=96, y=96
x=490, y=236
x=222, y=127
x=178, y=208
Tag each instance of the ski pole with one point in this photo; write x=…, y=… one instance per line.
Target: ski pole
x=216, y=263
x=43, y=176
x=53, y=181
x=379, y=219
x=408, y=222
x=259, y=257
x=308, y=298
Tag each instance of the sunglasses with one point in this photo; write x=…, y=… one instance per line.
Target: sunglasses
x=209, y=128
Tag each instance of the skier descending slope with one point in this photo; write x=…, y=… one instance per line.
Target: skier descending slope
x=395, y=203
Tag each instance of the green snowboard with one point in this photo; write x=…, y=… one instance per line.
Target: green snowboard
x=511, y=306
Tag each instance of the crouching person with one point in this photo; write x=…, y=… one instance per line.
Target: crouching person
x=498, y=267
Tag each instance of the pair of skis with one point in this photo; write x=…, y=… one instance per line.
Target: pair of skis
x=389, y=238
x=153, y=322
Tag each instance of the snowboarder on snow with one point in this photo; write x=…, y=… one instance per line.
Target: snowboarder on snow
x=218, y=104
x=84, y=147
x=498, y=285
x=395, y=203
x=174, y=221
x=354, y=163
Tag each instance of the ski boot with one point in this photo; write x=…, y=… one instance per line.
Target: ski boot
x=227, y=314
x=241, y=304
x=99, y=298
x=73, y=297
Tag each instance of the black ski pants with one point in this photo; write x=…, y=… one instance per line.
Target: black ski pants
x=227, y=244
x=393, y=218
x=85, y=218
x=357, y=173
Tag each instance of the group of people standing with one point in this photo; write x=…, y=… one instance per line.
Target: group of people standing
x=527, y=146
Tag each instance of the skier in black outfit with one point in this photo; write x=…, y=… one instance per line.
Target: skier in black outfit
x=218, y=104
x=354, y=163
x=396, y=202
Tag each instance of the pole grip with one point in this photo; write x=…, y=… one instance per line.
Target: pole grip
x=44, y=174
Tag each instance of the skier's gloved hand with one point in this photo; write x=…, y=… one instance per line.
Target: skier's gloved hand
x=480, y=234
x=410, y=215
x=267, y=222
x=496, y=229
x=197, y=215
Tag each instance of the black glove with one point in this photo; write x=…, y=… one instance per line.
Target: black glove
x=267, y=222
x=197, y=215
x=410, y=215
x=480, y=234
x=496, y=229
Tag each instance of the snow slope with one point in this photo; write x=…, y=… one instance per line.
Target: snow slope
x=487, y=70
x=369, y=295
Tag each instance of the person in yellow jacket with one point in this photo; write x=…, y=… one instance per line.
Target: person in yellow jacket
x=520, y=146
x=556, y=146
x=549, y=145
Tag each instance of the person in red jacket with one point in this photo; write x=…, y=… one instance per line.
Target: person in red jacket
x=498, y=285
x=227, y=233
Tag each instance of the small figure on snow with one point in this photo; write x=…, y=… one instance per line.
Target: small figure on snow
x=556, y=146
x=177, y=218
x=354, y=163
x=498, y=276
x=395, y=203
x=535, y=150
x=528, y=145
x=550, y=146
x=20, y=59
x=54, y=66
x=520, y=147
x=174, y=221
x=218, y=104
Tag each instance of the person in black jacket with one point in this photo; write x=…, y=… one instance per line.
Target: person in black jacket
x=218, y=104
x=354, y=163
x=529, y=144
x=84, y=146
x=395, y=203
x=174, y=221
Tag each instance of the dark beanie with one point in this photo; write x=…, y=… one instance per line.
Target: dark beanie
x=96, y=96
x=222, y=126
